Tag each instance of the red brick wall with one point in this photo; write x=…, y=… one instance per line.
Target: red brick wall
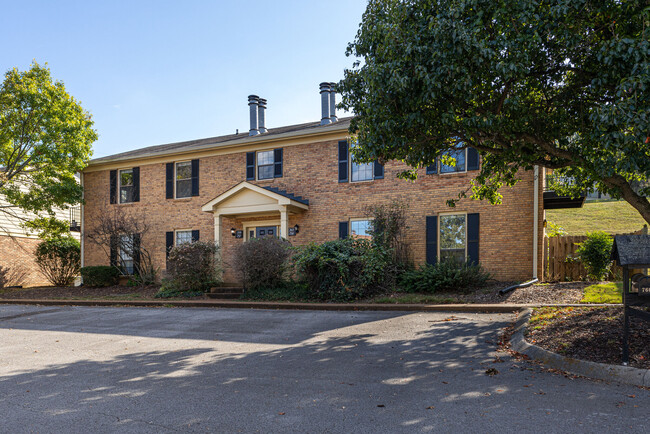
x=17, y=253
x=311, y=171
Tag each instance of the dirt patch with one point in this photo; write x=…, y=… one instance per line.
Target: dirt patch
x=594, y=334
x=81, y=292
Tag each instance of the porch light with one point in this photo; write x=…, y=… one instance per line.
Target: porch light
x=296, y=228
x=233, y=231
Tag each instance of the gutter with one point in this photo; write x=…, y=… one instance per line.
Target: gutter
x=83, y=226
x=535, y=221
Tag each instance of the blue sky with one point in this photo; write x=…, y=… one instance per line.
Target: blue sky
x=153, y=72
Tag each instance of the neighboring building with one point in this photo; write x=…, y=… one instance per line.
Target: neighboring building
x=299, y=182
x=17, y=245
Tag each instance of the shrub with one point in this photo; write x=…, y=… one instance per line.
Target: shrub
x=342, y=270
x=389, y=233
x=170, y=288
x=262, y=262
x=193, y=267
x=444, y=276
x=100, y=275
x=595, y=253
x=59, y=259
x=287, y=290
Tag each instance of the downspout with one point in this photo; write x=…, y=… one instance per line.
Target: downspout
x=83, y=227
x=535, y=220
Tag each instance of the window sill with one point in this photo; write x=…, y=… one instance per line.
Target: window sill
x=183, y=199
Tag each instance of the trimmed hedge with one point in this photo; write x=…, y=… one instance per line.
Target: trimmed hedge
x=100, y=275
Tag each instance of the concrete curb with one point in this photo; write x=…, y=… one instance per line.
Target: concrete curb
x=601, y=371
x=485, y=308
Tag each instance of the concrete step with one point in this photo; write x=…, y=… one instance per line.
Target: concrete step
x=224, y=295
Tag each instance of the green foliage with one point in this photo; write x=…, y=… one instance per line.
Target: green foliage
x=45, y=139
x=554, y=230
x=342, y=270
x=172, y=289
x=286, y=290
x=262, y=262
x=100, y=276
x=559, y=84
x=595, y=253
x=193, y=267
x=610, y=292
x=59, y=260
x=444, y=276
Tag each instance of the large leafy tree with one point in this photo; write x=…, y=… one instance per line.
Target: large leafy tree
x=562, y=84
x=45, y=139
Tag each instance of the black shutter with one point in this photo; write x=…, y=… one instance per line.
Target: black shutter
x=169, y=242
x=113, y=189
x=343, y=230
x=250, y=166
x=277, y=160
x=113, y=248
x=195, y=236
x=379, y=170
x=195, y=177
x=433, y=168
x=136, y=253
x=432, y=239
x=472, y=238
x=169, y=181
x=472, y=159
x=343, y=161
x=136, y=184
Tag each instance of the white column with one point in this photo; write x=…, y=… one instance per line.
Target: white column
x=217, y=228
x=284, y=222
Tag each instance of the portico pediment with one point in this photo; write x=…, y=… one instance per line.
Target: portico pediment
x=247, y=198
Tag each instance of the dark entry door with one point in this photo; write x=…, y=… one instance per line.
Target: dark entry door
x=266, y=231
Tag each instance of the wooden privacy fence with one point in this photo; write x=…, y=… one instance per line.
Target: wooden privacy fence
x=561, y=260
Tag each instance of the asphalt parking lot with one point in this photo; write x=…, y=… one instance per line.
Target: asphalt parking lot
x=84, y=369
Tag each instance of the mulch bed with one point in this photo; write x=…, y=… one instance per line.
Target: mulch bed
x=552, y=293
x=594, y=334
x=81, y=292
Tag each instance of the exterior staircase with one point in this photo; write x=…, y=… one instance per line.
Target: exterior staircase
x=225, y=292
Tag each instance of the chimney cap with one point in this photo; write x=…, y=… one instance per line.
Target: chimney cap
x=324, y=87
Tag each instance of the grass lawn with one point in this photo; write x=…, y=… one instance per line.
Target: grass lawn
x=614, y=217
x=611, y=292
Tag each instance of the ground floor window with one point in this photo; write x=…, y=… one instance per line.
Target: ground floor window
x=183, y=237
x=453, y=238
x=126, y=253
x=361, y=229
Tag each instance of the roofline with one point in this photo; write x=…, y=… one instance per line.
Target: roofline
x=340, y=126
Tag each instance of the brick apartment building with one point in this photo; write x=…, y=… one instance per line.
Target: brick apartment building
x=301, y=183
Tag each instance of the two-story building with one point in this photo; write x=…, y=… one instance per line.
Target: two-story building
x=301, y=183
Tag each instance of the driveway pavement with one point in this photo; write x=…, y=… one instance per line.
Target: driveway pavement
x=82, y=369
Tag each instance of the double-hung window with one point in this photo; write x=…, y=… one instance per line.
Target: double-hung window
x=183, y=237
x=459, y=155
x=183, y=179
x=361, y=229
x=126, y=250
x=360, y=171
x=265, y=165
x=453, y=238
x=126, y=185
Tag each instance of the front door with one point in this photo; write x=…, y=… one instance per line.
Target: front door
x=266, y=231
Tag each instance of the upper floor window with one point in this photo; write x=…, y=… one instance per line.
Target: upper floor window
x=453, y=238
x=265, y=165
x=360, y=171
x=126, y=185
x=183, y=179
x=460, y=155
x=350, y=170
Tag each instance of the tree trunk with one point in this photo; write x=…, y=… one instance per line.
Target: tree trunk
x=638, y=202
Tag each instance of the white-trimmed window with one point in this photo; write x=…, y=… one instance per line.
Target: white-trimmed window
x=183, y=179
x=361, y=228
x=360, y=171
x=126, y=247
x=460, y=155
x=126, y=185
x=183, y=237
x=453, y=237
x=265, y=165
